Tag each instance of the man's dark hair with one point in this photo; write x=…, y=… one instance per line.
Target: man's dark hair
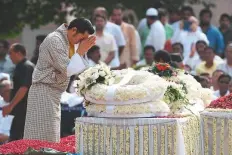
x=119, y=6
x=224, y=76
x=201, y=42
x=187, y=8
x=164, y=55
x=178, y=43
x=162, y=13
x=82, y=24
x=197, y=78
x=92, y=49
x=225, y=15
x=148, y=47
x=19, y=48
x=5, y=44
x=206, y=11
x=216, y=71
x=174, y=11
x=210, y=48
x=41, y=38
x=103, y=10
x=99, y=16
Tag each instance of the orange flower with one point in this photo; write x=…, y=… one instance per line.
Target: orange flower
x=162, y=67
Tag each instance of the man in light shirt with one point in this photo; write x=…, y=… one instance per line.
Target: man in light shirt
x=209, y=65
x=130, y=55
x=226, y=66
x=104, y=40
x=149, y=53
x=6, y=65
x=94, y=55
x=157, y=35
x=189, y=38
x=114, y=30
x=223, y=85
x=199, y=56
x=5, y=88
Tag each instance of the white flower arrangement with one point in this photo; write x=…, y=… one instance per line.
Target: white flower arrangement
x=99, y=73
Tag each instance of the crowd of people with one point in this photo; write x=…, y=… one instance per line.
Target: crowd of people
x=177, y=37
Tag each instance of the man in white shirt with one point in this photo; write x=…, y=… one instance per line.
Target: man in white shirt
x=104, y=40
x=114, y=30
x=130, y=55
x=157, y=35
x=94, y=55
x=185, y=13
x=226, y=66
x=149, y=53
x=5, y=88
x=6, y=65
x=189, y=38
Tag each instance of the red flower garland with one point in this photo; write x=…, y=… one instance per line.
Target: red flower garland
x=224, y=102
x=66, y=144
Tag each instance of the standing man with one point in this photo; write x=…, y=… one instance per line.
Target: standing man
x=51, y=77
x=163, y=17
x=130, y=55
x=104, y=40
x=21, y=84
x=6, y=65
x=114, y=30
x=39, y=40
x=213, y=34
x=157, y=35
x=225, y=28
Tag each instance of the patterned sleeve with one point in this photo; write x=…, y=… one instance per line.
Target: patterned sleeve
x=58, y=55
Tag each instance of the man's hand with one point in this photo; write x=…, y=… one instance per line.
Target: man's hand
x=85, y=45
x=7, y=110
x=194, y=27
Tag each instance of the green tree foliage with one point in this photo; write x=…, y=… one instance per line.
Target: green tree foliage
x=15, y=14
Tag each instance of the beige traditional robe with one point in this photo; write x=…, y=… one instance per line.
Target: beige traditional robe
x=130, y=52
x=50, y=80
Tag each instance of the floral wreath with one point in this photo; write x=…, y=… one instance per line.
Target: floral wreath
x=162, y=69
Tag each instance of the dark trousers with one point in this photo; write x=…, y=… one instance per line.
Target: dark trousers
x=17, y=127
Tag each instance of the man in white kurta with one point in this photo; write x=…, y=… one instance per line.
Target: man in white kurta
x=157, y=35
x=51, y=77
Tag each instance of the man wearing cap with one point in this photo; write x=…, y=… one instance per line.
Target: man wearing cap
x=157, y=35
x=56, y=63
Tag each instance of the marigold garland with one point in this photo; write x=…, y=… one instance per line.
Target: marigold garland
x=162, y=69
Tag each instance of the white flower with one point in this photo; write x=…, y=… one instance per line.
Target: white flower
x=95, y=75
x=111, y=81
x=102, y=73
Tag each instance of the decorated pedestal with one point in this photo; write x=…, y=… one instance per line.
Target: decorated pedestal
x=142, y=136
x=216, y=132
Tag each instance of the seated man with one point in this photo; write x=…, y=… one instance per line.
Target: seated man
x=94, y=57
x=149, y=52
x=209, y=65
